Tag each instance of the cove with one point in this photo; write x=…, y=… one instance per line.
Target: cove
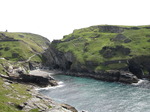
x=99, y=96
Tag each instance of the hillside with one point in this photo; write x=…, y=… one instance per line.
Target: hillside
x=20, y=46
x=20, y=53
x=102, y=48
x=17, y=48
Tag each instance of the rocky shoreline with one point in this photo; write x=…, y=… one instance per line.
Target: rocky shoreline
x=37, y=97
x=110, y=76
x=37, y=101
x=67, y=62
x=44, y=104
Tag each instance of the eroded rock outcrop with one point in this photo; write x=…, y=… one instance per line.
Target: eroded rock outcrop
x=39, y=80
x=58, y=60
x=20, y=74
x=44, y=104
x=111, y=76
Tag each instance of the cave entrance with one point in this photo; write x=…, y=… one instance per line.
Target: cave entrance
x=68, y=65
x=56, y=66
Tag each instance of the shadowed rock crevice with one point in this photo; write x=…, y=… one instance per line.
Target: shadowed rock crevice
x=109, y=52
x=68, y=65
x=58, y=60
x=140, y=66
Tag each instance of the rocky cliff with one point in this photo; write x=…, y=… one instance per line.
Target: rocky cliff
x=113, y=53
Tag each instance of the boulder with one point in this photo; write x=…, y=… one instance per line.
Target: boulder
x=68, y=107
x=39, y=80
x=127, y=77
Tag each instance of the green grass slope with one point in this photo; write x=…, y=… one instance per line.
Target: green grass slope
x=20, y=46
x=103, y=43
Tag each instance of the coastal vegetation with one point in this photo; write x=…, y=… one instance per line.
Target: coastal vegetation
x=103, y=48
x=95, y=43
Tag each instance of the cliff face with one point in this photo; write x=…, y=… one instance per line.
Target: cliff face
x=100, y=50
x=57, y=59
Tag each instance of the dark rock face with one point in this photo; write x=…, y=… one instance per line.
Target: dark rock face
x=68, y=107
x=140, y=64
x=111, y=76
x=39, y=80
x=58, y=60
x=111, y=29
x=109, y=52
x=135, y=68
x=127, y=77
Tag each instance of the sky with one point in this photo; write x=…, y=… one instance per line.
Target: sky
x=55, y=18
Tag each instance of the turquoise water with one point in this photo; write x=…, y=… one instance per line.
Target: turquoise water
x=99, y=96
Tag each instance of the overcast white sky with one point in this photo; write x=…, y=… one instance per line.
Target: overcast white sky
x=55, y=18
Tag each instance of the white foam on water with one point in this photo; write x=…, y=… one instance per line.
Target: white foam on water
x=140, y=82
x=60, y=84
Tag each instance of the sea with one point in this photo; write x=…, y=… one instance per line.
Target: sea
x=93, y=95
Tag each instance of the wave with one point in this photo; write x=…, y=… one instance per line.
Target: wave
x=142, y=83
x=60, y=84
x=139, y=82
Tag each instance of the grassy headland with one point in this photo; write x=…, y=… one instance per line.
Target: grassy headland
x=106, y=43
